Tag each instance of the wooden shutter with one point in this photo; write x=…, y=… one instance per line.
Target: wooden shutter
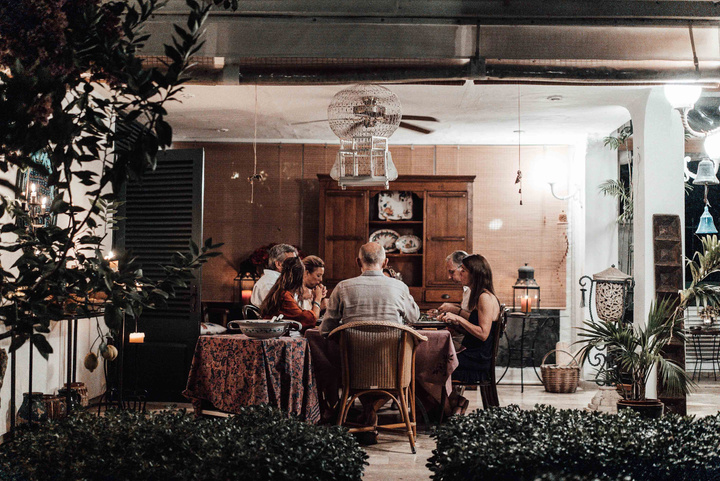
x=344, y=229
x=163, y=213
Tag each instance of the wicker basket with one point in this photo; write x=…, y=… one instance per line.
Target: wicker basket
x=560, y=379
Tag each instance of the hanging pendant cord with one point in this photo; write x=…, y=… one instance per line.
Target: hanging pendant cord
x=252, y=182
x=518, y=179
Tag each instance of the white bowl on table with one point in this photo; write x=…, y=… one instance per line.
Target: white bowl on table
x=264, y=328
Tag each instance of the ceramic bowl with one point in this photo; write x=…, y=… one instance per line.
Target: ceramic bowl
x=264, y=328
x=408, y=244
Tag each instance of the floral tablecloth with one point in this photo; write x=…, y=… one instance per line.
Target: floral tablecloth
x=232, y=371
x=435, y=360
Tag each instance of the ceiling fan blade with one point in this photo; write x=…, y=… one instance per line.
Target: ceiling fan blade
x=309, y=122
x=416, y=128
x=420, y=117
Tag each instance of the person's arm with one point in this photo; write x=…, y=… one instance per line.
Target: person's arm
x=486, y=309
x=291, y=310
x=412, y=311
x=333, y=313
x=454, y=309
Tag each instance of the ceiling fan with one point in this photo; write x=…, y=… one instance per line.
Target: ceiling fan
x=363, y=108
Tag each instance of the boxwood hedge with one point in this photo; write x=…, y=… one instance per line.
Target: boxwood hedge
x=571, y=445
x=260, y=443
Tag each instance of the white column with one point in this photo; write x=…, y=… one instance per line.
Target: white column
x=658, y=180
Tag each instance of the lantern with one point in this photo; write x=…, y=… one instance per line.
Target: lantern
x=612, y=287
x=526, y=292
x=244, y=284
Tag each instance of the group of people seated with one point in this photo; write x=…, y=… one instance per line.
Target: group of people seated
x=293, y=288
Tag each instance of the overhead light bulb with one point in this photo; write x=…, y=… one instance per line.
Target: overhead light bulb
x=682, y=96
x=712, y=146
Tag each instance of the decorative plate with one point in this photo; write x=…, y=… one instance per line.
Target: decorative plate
x=386, y=238
x=395, y=206
x=408, y=244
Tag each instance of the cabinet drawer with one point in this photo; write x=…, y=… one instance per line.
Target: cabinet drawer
x=444, y=295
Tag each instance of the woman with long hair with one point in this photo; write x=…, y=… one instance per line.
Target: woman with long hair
x=284, y=295
x=476, y=357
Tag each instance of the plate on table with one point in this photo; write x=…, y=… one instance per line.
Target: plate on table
x=408, y=244
x=386, y=238
x=395, y=205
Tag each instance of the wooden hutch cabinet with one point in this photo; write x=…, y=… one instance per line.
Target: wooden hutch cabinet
x=441, y=218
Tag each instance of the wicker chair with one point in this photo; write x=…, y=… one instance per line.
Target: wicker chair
x=488, y=387
x=379, y=357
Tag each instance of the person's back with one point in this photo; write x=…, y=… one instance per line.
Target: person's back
x=370, y=296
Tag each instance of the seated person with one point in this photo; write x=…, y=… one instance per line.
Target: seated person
x=475, y=359
x=392, y=273
x=276, y=256
x=314, y=271
x=282, y=297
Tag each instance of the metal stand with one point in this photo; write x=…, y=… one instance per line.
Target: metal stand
x=525, y=355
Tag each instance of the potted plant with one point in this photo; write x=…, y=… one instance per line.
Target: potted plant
x=636, y=350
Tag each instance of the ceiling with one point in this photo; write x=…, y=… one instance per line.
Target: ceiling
x=467, y=114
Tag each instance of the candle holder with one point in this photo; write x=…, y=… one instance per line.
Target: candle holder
x=243, y=287
x=526, y=291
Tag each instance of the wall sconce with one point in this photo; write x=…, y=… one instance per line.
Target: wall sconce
x=553, y=171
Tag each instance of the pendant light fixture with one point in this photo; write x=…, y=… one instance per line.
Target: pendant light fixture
x=518, y=178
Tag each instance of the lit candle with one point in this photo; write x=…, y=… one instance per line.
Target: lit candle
x=43, y=204
x=136, y=338
x=526, y=304
x=246, y=295
x=33, y=194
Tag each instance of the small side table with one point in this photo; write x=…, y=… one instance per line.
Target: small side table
x=696, y=336
x=524, y=353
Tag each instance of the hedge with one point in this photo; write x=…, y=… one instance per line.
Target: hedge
x=571, y=445
x=260, y=443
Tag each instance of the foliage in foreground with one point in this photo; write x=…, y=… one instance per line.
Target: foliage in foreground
x=260, y=443
x=551, y=444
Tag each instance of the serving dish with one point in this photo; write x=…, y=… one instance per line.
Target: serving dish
x=408, y=244
x=386, y=238
x=263, y=328
x=395, y=205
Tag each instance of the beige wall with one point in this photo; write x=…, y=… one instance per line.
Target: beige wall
x=285, y=207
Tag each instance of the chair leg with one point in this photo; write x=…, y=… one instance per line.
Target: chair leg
x=486, y=396
x=406, y=417
x=344, y=408
x=413, y=416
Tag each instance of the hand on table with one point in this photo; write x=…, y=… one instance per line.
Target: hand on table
x=448, y=307
x=449, y=318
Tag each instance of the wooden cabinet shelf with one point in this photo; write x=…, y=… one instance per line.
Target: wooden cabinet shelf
x=441, y=218
x=380, y=223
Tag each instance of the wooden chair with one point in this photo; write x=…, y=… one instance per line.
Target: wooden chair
x=379, y=357
x=488, y=387
x=250, y=312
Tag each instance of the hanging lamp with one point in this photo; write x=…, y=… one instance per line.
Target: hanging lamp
x=706, y=225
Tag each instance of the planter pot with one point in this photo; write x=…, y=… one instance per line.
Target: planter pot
x=649, y=408
x=32, y=409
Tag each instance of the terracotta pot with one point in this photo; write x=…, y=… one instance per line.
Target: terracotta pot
x=648, y=408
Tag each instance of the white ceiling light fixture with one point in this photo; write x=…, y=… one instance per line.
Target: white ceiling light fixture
x=363, y=117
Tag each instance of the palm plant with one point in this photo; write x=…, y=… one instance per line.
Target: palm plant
x=636, y=351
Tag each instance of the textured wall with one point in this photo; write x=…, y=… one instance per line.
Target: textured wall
x=285, y=207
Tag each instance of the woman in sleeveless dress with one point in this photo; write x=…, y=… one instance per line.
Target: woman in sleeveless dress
x=476, y=356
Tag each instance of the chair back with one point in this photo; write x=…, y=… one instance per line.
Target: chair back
x=250, y=312
x=502, y=320
x=377, y=354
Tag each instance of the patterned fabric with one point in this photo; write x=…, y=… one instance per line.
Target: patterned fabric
x=232, y=371
x=435, y=360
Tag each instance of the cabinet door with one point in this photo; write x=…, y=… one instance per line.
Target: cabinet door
x=345, y=230
x=446, y=230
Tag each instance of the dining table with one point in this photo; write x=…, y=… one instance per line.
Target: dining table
x=230, y=371
x=435, y=360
